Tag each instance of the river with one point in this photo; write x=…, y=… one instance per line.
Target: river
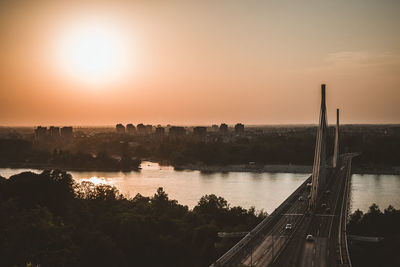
x=261, y=190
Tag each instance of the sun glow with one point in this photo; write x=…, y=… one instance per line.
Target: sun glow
x=93, y=52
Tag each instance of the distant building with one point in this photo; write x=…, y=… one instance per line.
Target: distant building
x=214, y=128
x=130, y=129
x=200, y=131
x=120, y=129
x=177, y=131
x=223, y=128
x=160, y=131
x=66, y=133
x=239, y=128
x=149, y=128
x=54, y=132
x=40, y=134
x=141, y=129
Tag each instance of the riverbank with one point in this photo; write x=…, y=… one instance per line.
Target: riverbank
x=247, y=168
x=66, y=168
x=282, y=168
x=390, y=170
x=257, y=168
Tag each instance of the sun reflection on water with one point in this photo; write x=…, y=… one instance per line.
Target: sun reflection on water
x=97, y=180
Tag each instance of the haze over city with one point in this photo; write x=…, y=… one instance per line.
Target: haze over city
x=179, y=133
x=258, y=62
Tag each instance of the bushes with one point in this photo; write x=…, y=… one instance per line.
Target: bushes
x=375, y=223
x=48, y=219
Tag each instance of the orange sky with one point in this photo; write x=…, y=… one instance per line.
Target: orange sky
x=256, y=62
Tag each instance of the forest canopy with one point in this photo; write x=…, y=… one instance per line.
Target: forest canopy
x=48, y=219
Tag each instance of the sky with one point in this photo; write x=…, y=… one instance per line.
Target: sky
x=198, y=62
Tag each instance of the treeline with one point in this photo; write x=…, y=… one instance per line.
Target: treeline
x=376, y=150
x=22, y=153
x=49, y=220
x=261, y=150
x=379, y=151
x=376, y=223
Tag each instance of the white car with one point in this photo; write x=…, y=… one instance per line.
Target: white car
x=288, y=227
x=309, y=238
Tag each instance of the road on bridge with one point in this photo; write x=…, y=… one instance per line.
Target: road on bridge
x=323, y=226
x=281, y=247
x=277, y=236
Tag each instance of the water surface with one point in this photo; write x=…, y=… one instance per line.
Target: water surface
x=383, y=190
x=262, y=190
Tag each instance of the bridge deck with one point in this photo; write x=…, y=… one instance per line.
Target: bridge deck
x=275, y=246
x=244, y=249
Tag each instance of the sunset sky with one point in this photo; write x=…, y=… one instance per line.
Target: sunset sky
x=204, y=62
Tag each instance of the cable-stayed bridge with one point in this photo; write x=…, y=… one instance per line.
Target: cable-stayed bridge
x=316, y=212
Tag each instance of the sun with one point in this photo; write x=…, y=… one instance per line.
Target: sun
x=93, y=52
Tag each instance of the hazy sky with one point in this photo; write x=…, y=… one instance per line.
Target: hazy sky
x=182, y=62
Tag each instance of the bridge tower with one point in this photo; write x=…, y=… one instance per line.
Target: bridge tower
x=319, y=166
x=335, y=159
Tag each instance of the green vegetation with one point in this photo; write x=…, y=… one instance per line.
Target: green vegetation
x=23, y=153
x=49, y=220
x=377, y=224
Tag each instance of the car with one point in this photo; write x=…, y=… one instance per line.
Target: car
x=309, y=238
x=323, y=205
x=328, y=210
x=309, y=196
x=327, y=192
x=288, y=226
x=301, y=198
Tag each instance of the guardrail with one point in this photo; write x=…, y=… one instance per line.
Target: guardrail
x=238, y=251
x=344, y=256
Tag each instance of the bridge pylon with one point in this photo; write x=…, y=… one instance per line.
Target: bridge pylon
x=319, y=166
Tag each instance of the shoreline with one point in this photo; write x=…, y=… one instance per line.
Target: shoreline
x=268, y=168
x=276, y=168
x=394, y=170
x=63, y=168
x=282, y=168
